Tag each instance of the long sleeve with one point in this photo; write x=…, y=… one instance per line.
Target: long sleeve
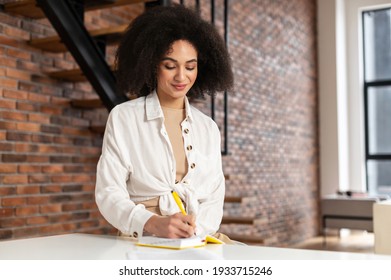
x=111, y=193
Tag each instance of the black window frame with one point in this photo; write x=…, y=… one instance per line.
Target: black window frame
x=367, y=85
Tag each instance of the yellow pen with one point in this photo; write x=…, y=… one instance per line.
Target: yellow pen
x=179, y=202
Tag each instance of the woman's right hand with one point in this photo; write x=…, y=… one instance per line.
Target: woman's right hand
x=174, y=226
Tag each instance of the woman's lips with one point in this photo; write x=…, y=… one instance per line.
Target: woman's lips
x=179, y=86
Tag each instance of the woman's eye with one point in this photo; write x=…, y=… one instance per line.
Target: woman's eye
x=190, y=68
x=169, y=67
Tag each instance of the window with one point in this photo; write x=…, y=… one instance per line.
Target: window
x=377, y=98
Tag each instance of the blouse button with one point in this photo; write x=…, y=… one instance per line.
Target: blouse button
x=192, y=166
x=190, y=147
x=186, y=130
x=135, y=234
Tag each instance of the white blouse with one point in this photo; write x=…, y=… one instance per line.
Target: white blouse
x=137, y=164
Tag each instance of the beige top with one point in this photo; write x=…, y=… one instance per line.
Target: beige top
x=172, y=121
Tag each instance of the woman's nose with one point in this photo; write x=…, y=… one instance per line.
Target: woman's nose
x=180, y=74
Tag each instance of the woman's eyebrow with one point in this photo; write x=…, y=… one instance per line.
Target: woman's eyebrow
x=174, y=60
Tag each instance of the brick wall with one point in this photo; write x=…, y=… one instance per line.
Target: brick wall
x=273, y=138
x=49, y=155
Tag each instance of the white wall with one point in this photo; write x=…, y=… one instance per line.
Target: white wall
x=342, y=154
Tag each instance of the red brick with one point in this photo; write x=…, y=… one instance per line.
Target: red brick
x=72, y=207
x=18, y=53
x=25, y=232
x=13, y=158
x=14, y=116
x=15, y=94
x=38, y=178
x=33, y=200
x=49, y=149
x=14, y=179
x=18, y=136
x=13, y=201
x=9, y=62
x=61, y=218
x=62, y=140
x=50, y=208
x=62, y=179
x=51, y=189
x=32, y=127
x=5, y=191
x=17, y=74
x=76, y=131
x=39, y=220
x=12, y=222
x=7, y=125
x=23, y=106
x=27, y=189
x=6, y=212
x=51, y=229
x=39, y=118
x=19, y=34
x=87, y=224
x=8, y=168
x=69, y=227
x=89, y=205
x=83, y=178
x=53, y=169
x=8, y=83
x=6, y=147
x=7, y=104
x=31, y=158
x=6, y=234
x=38, y=98
x=27, y=65
x=26, y=211
x=29, y=168
x=51, y=110
x=72, y=188
x=25, y=147
x=10, y=20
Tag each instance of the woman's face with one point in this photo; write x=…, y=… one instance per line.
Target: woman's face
x=177, y=72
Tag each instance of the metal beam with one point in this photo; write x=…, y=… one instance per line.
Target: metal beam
x=84, y=50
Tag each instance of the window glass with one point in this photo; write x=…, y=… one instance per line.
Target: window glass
x=379, y=120
x=379, y=176
x=377, y=44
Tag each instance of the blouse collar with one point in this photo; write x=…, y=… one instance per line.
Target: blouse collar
x=154, y=110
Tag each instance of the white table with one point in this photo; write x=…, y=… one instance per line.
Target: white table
x=97, y=247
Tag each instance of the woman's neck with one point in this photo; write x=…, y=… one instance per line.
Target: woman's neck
x=173, y=103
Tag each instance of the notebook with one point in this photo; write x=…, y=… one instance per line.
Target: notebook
x=177, y=243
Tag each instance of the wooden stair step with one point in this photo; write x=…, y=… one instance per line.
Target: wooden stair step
x=54, y=44
x=233, y=199
x=97, y=128
x=72, y=75
x=29, y=8
x=93, y=103
x=248, y=239
x=237, y=220
x=87, y=103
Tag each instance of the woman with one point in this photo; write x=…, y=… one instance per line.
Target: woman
x=159, y=143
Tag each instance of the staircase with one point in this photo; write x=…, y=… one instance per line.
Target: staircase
x=88, y=48
x=244, y=221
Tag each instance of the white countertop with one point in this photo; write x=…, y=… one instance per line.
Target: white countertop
x=98, y=247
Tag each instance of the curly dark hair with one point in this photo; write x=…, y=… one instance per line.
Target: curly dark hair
x=151, y=35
